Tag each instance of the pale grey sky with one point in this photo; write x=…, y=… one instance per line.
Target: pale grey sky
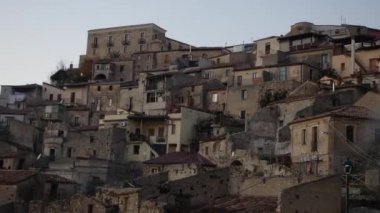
x=35, y=35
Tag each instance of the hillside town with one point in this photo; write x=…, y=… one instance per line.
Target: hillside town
x=149, y=124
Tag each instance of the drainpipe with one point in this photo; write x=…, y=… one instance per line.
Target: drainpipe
x=352, y=54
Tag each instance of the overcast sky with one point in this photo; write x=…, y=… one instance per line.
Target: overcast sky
x=36, y=34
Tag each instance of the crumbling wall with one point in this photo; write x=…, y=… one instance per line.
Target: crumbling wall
x=323, y=195
x=198, y=190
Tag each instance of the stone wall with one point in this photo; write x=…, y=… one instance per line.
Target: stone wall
x=198, y=190
x=323, y=195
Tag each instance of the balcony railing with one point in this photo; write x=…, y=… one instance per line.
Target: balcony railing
x=110, y=44
x=142, y=41
x=134, y=137
x=151, y=87
x=125, y=42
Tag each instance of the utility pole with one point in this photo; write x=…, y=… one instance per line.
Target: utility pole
x=347, y=193
x=347, y=170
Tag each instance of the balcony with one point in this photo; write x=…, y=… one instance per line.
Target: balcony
x=94, y=45
x=151, y=87
x=110, y=44
x=125, y=42
x=142, y=41
x=303, y=46
x=135, y=137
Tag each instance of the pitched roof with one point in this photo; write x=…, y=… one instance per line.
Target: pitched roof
x=5, y=110
x=240, y=204
x=181, y=158
x=358, y=112
x=12, y=177
x=50, y=178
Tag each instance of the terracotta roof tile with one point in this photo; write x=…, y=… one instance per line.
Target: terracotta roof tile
x=57, y=179
x=181, y=158
x=12, y=177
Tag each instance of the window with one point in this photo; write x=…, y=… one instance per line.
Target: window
x=192, y=88
x=150, y=97
x=93, y=153
x=141, y=47
x=218, y=61
x=226, y=72
x=350, y=133
x=121, y=68
x=244, y=94
x=59, y=97
x=215, y=98
x=206, y=150
x=283, y=74
x=267, y=48
x=52, y=154
x=324, y=64
x=110, y=88
x=155, y=36
x=303, y=136
x=377, y=135
x=69, y=151
x=126, y=37
x=98, y=88
x=166, y=60
x=314, y=142
x=342, y=66
x=91, y=138
x=374, y=64
x=173, y=129
x=254, y=76
x=161, y=132
x=72, y=97
x=150, y=132
x=142, y=34
x=95, y=41
x=50, y=97
x=239, y=80
x=109, y=101
x=136, y=149
x=90, y=208
x=242, y=114
x=76, y=121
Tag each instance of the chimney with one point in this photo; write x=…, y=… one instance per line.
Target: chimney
x=71, y=66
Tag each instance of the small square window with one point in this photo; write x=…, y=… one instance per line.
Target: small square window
x=244, y=94
x=215, y=98
x=242, y=114
x=136, y=149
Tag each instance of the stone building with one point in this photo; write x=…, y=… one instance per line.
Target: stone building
x=76, y=93
x=267, y=51
x=51, y=92
x=17, y=97
x=103, y=98
x=178, y=165
x=181, y=129
x=20, y=185
x=126, y=40
x=320, y=143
